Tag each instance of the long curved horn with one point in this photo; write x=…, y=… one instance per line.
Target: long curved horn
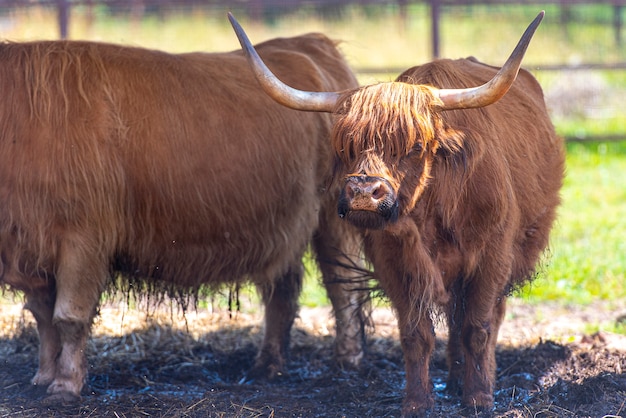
x=493, y=90
x=276, y=89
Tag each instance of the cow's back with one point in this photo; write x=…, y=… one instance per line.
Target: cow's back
x=173, y=166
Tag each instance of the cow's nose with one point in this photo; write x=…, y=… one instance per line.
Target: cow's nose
x=367, y=193
x=356, y=187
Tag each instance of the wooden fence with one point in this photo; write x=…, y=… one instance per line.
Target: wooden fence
x=259, y=9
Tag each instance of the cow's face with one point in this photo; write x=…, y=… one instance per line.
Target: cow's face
x=386, y=138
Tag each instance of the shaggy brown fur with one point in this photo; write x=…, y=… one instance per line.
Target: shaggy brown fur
x=476, y=193
x=170, y=168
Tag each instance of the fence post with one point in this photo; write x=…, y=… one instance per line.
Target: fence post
x=435, y=13
x=618, y=23
x=402, y=8
x=63, y=8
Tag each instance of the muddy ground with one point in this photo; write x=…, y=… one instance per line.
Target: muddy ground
x=549, y=365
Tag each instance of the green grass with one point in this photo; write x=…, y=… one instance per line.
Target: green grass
x=588, y=250
x=588, y=246
x=615, y=327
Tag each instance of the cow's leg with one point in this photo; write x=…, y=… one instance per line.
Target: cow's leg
x=417, y=341
x=454, y=348
x=281, y=306
x=80, y=279
x=484, y=311
x=41, y=304
x=338, y=250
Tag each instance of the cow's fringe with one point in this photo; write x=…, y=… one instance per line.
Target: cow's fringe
x=400, y=113
x=150, y=296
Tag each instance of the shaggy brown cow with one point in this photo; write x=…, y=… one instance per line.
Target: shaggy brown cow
x=173, y=169
x=455, y=200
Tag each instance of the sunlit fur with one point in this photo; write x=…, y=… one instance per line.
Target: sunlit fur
x=84, y=120
x=176, y=170
x=477, y=191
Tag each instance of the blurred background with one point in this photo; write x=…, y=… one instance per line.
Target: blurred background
x=578, y=54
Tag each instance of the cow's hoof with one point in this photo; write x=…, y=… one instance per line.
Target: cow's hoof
x=61, y=398
x=349, y=362
x=261, y=370
x=63, y=391
x=414, y=409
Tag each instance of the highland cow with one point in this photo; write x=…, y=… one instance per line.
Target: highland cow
x=452, y=174
x=174, y=170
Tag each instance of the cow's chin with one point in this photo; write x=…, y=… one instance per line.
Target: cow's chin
x=366, y=219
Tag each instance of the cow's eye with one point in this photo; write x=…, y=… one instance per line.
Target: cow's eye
x=416, y=150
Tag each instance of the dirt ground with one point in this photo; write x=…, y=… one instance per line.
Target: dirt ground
x=549, y=365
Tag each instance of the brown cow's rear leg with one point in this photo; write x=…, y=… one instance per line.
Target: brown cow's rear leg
x=347, y=301
x=281, y=307
x=41, y=304
x=80, y=278
x=345, y=280
x=347, y=290
x=71, y=363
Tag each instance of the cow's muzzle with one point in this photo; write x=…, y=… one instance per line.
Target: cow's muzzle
x=368, y=202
